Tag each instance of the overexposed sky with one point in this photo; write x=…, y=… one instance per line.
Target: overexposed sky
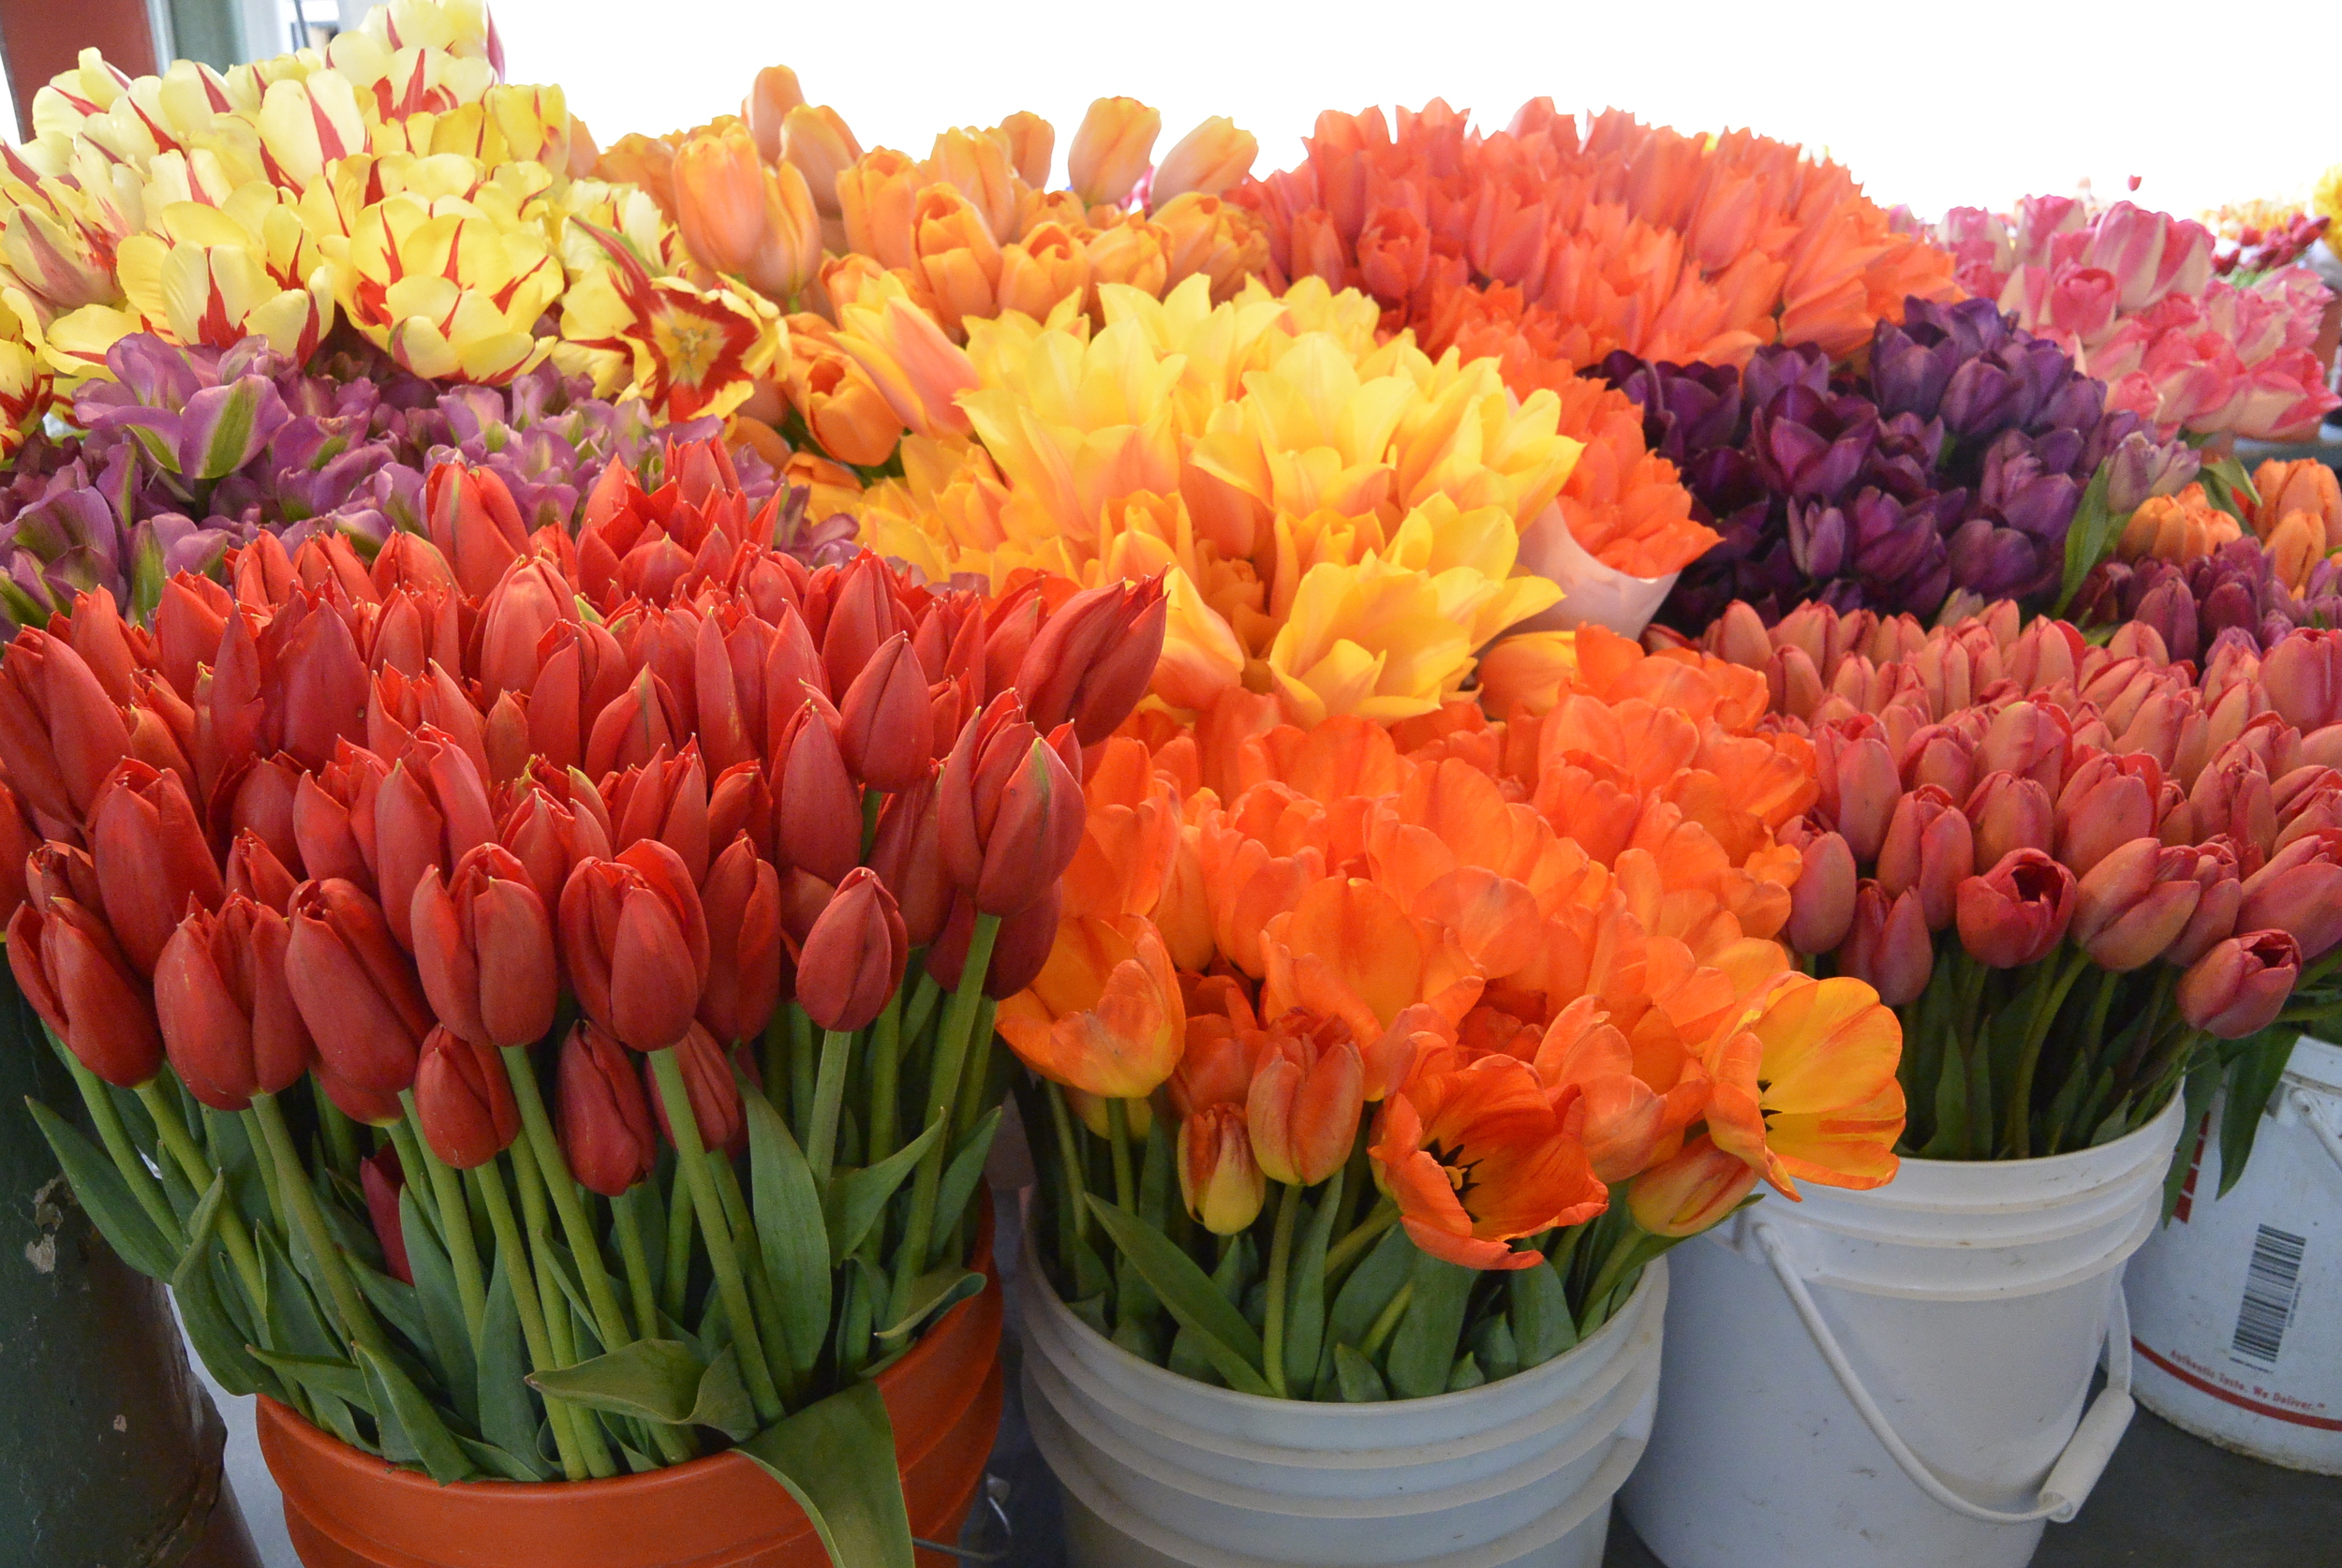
x=1934, y=105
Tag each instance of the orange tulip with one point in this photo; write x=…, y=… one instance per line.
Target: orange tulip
x=1348, y=950
x=1477, y=1157
x=773, y=96
x=1104, y=1014
x=819, y=144
x=1805, y=1085
x=1304, y=1100
x=1691, y=1192
x=1112, y=150
x=1222, y=1185
x=1210, y=158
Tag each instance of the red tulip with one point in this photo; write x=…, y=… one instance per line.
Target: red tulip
x=862, y=617
x=715, y=1097
x=430, y=810
x=884, y=718
x=263, y=804
x=1018, y=951
x=558, y=822
x=2109, y=801
x=151, y=858
x=483, y=946
x=906, y=856
x=356, y=990
x=635, y=941
x=2030, y=740
x=639, y=722
x=226, y=1009
x=1887, y=945
x=19, y=838
x=54, y=870
x=474, y=522
x=666, y=799
x=334, y=817
x=162, y=728
x=60, y=734
x=2300, y=890
x=404, y=704
x=580, y=672
x=605, y=1121
x=314, y=686
x=742, y=901
x=852, y=959
x=793, y=673
x=464, y=1101
x=741, y=802
x=67, y=965
x=418, y=628
x=380, y=1179
x=1009, y=809
x=1858, y=788
x=2220, y=895
x=371, y=1107
x=263, y=571
x=2240, y=985
x=2007, y=812
x=1093, y=659
x=188, y=622
x=254, y=871
x=2017, y=912
x=409, y=560
x=817, y=811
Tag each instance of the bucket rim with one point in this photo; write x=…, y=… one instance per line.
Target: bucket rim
x=2315, y=1065
x=2173, y=1112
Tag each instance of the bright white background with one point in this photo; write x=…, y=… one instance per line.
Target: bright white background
x=1935, y=105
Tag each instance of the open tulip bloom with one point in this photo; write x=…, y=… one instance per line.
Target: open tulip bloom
x=533, y=993
x=1376, y=1061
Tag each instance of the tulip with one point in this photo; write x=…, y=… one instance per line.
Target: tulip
x=1305, y=1116
x=431, y=809
x=1020, y=949
x=381, y=1181
x=550, y=833
x=1219, y=1180
x=2239, y=987
x=1104, y=1014
x=1691, y=1192
x=227, y=1011
x=1821, y=902
x=1111, y=149
x=151, y=858
x=852, y=960
x=1209, y=159
x=905, y=856
x=2299, y=891
x=817, y=811
x=2008, y=812
x=1805, y=1085
x=2104, y=804
x=714, y=1097
x=1858, y=791
x=67, y=965
x=356, y=990
x=818, y=142
x=1009, y=811
x=1930, y=848
x=2302, y=677
x=605, y=1121
x=19, y=840
x=883, y=723
x=741, y=899
x=2018, y=911
x=634, y=941
x=60, y=734
x=581, y=673
x=921, y=373
x=2134, y=903
x=464, y=1101
x=484, y=947
x=1092, y=661
x=666, y=799
x=2220, y=895
x=1887, y=944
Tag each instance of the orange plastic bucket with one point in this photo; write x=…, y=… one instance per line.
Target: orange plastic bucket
x=348, y=1509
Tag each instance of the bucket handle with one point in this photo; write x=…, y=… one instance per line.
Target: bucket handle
x=2077, y=1467
x=2313, y=1113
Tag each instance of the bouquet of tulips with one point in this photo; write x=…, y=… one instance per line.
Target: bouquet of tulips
x=2084, y=876
x=1376, y=1061
x=531, y=990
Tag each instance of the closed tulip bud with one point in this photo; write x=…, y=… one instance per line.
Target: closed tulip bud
x=852, y=959
x=2300, y=890
x=263, y=804
x=464, y=1101
x=549, y=835
x=770, y=98
x=665, y=799
x=2219, y=896
x=227, y=1011
x=1887, y=944
x=1112, y=150
x=883, y=720
x=1009, y=811
x=1692, y=1192
x=605, y=1120
x=381, y=1181
x=60, y=733
x=2017, y=912
x=2108, y=801
x=472, y=519
x=907, y=859
x=54, y=871
x=256, y=873
x=1821, y=905
x=715, y=1097
x=1929, y=849
x=410, y=561
x=356, y=989
x=67, y=965
x=484, y=947
x=2240, y=985
x=188, y=622
x=1858, y=790
x=2231, y=795
x=1942, y=756
x=2007, y=813
x=818, y=143
x=817, y=811
x=2134, y=903
x=634, y=941
x=1092, y=661
x=2028, y=739
x=524, y=603
x=19, y=840
x=431, y=809
x=1209, y=159
x=741, y=903
x=1304, y=1118
x=2303, y=678
x=582, y=675
x=152, y=859
x=1219, y=1177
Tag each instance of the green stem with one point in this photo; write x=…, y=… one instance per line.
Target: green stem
x=341, y=1137
x=801, y=1069
x=1280, y=1264
x=628, y=1229
x=558, y=1328
x=829, y=1099
x=1614, y=1267
x=180, y=1144
x=691, y=1155
x=447, y=1193
x=108, y=1119
x=584, y=1243
x=1075, y=1219
x=978, y=1077
x=2019, y=1131
x=921, y=1012
x=676, y=1289
x=357, y=1318
x=886, y=1064
x=1367, y=1231
x=1388, y=1320
x=512, y=1252
x=951, y=1053
x=1119, y=1138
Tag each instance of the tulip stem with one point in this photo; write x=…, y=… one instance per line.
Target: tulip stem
x=1076, y=1216
x=584, y=1245
x=886, y=1064
x=1119, y=1140
x=2019, y=1131
x=693, y=1156
x=1365, y=1235
x=829, y=1098
x=921, y=1012
x=513, y=1253
x=628, y=1228
x=560, y=1333
x=357, y=1317
x=978, y=1078
x=675, y=1290
x=801, y=1070
x=447, y=1193
x=1381, y=1329
x=1280, y=1265
x=951, y=1054
x=341, y=1137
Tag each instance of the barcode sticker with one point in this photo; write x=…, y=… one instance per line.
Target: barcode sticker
x=2272, y=1285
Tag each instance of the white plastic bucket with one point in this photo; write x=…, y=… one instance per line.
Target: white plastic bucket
x=1895, y=1379
x=2236, y=1304
x=1163, y=1472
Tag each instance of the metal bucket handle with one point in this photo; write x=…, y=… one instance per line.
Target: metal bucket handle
x=2307, y=1106
x=2086, y=1452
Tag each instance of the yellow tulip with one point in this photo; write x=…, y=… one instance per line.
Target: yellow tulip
x=54, y=247
x=308, y=123
x=1111, y=150
x=215, y=275
x=451, y=289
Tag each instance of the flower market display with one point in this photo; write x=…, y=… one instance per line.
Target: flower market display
x=585, y=721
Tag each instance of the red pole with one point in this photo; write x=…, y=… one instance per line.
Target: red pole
x=45, y=37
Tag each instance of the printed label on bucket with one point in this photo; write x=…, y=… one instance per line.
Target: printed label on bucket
x=2273, y=1283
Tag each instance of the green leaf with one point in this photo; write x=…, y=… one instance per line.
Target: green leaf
x=1188, y=1359
x=208, y=1327
x=230, y=1149
x=1370, y=1288
x=2255, y=1065
x=1542, y=1328
x=791, y=1234
x=565, y=1273
x=395, y=1299
x=1493, y=1349
x=507, y=1415
x=2087, y=537
x=964, y=1172
x=1423, y=1352
x=296, y=1322
x=494, y=1459
x=652, y=1379
x=105, y=1197
x=435, y=1447
x=449, y=1340
x=1465, y=1374
x=1355, y=1376
x=2228, y=487
x=1188, y=1295
x=934, y=1292
x=722, y=1400
x=837, y=1459
x=324, y=1374
x=1155, y=1182
x=858, y=1197
x=1305, y=1309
